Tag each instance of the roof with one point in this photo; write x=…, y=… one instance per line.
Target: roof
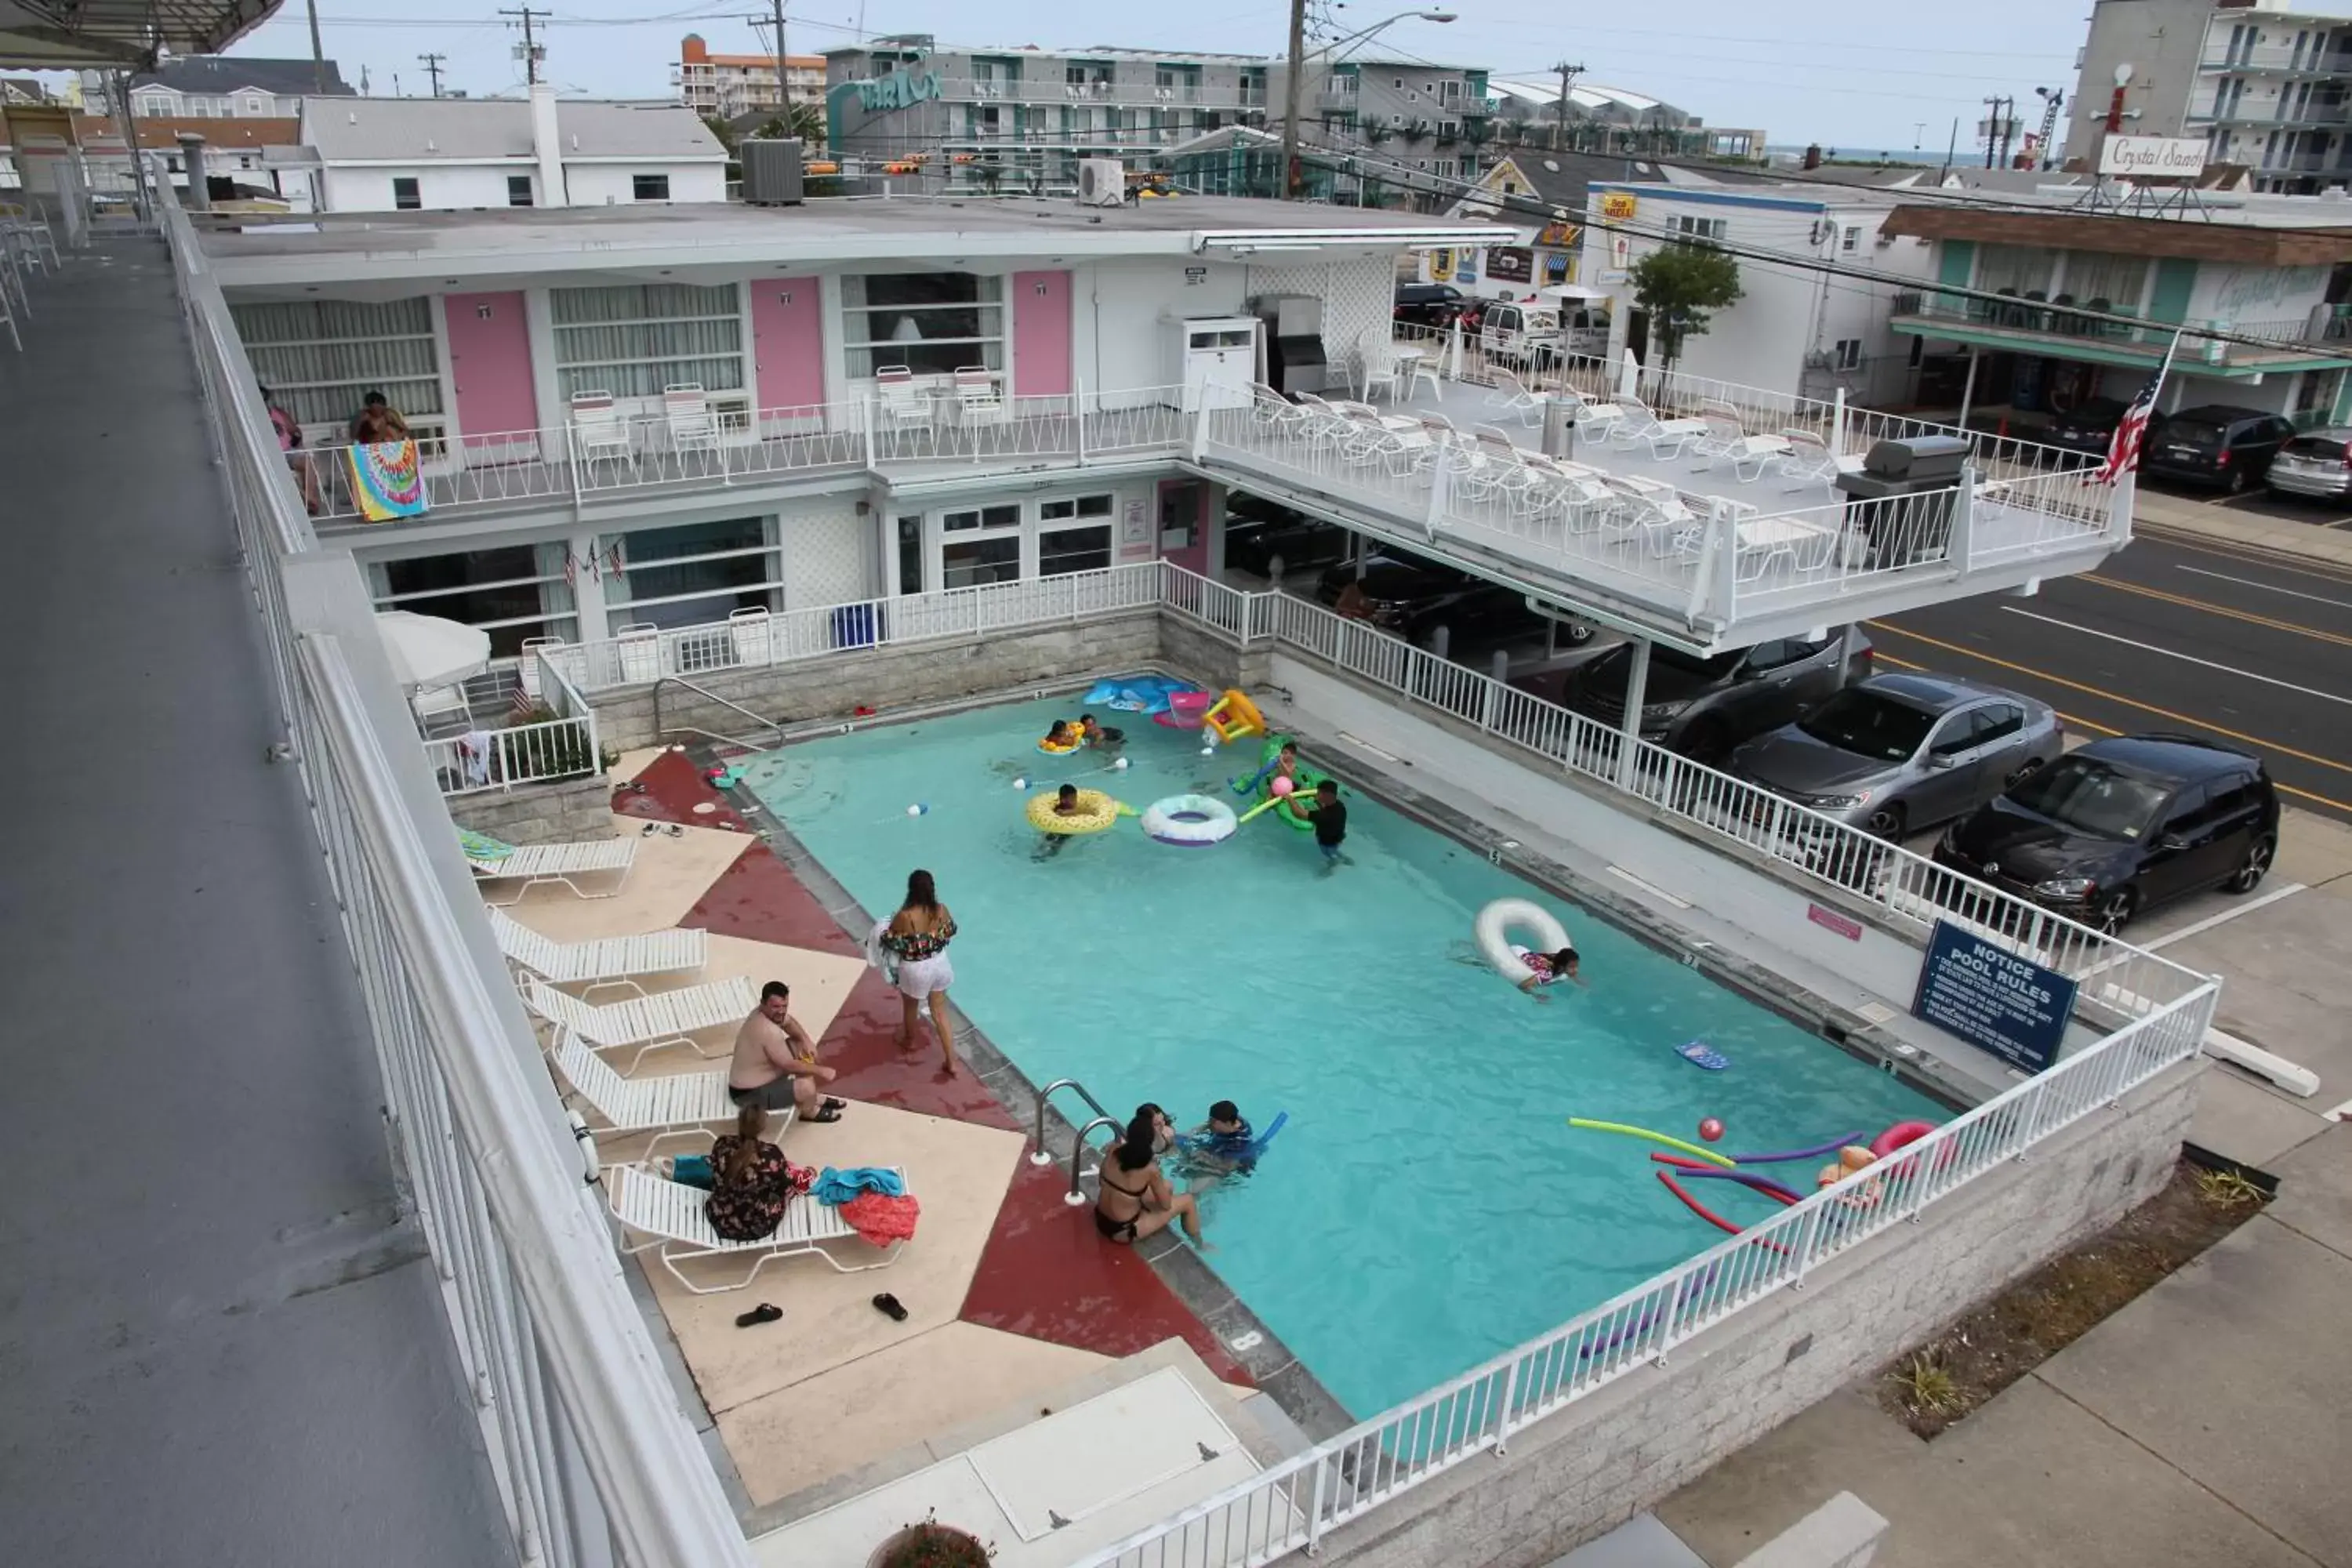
x=164, y=131
x=692, y=50
x=214, y=74
x=2319, y=233
x=1560, y=180
x=380, y=130
x=901, y=43
x=1597, y=100
x=37, y=35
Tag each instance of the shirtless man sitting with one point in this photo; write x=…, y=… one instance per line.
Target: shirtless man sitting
x=775, y=1061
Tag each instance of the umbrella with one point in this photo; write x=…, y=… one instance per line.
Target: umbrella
x=426, y=650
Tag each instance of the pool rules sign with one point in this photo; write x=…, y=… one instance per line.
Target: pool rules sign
x=1993, y=999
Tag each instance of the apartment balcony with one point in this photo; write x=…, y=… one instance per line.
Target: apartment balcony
x=1136, y=94
x=2059, y=329
x=2265, y=113
x=2269, y=59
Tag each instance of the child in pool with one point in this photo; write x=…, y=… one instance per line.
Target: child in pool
x=1066, y=804
x=1218, y=1148
x=1285, y=764
x=1061, y=737
x=1549, y=969
x=1095, y=734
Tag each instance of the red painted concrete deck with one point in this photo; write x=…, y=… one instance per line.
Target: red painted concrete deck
x=1045, y=1273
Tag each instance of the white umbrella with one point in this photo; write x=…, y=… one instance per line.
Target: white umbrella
x=426, y=650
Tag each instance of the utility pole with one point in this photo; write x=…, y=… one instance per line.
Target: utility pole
x=531, y=53
x=1951, y=148
x=1568, y=73
x=1292, y=184
x=783, y=89
x=364, y=81
x=317, y=55
x=433, y=69
x=1991, y=128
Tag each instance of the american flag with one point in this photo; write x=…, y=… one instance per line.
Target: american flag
x=2131, y=433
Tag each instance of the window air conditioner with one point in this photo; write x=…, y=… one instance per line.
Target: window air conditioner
x=1102, y=183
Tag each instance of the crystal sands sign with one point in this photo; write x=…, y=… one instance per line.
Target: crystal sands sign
x=2153, y=157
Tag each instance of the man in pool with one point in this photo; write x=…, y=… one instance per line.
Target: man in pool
x=1100, y=736
x=1216, y=1148
x=1329, y=816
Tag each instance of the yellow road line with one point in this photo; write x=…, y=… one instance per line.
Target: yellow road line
x=2324, y=570
x=2213, y=609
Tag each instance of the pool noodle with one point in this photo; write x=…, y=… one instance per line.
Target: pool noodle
x=1709, y=1216
x=1815, y=1153
x=1267, y=805
x=1646, y=1319
x=1709, y=1155
x=1761, y=1183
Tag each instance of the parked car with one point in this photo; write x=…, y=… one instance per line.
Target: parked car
x=2318, y=463
x=1258, y=532
x=2215, y=444
x=1413, y=597
x=2122, y=825
x=1428, y=304
x=1896, y=752
x=1704, y=707
x=2088, y=427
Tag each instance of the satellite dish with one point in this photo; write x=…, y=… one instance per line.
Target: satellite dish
x=2124, y=74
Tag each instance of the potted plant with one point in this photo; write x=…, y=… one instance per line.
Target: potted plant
x=931, y=1544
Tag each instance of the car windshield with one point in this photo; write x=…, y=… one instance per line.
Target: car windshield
x=1868, y=724
x=2182, y=428
x=2087, y=795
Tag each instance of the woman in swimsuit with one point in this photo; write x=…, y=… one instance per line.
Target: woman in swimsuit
x=1135, y=1200
x=919, y=934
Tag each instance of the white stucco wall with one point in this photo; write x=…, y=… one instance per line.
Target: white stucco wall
x=444, y=186
x=2256, y=294
x=600, y=184
x=1125, y=313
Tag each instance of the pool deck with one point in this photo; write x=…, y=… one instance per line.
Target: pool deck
x=1013, y=1296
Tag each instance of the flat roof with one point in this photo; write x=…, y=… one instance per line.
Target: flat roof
x=331, y=246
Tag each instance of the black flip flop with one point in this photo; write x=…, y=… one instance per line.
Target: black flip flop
x=824, y=1113
x=888, y=1305
x=832, y=1104
x=765, y=1312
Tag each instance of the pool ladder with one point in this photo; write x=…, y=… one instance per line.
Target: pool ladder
x=1041, y=1156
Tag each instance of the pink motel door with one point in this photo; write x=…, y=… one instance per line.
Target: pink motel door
x=489, y=361
x=1041, y=334
x=787, y=343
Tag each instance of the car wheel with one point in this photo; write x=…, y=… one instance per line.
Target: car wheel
x=2253, y=867
x=1888, y=822
x=2236, y=483
x=2113, y=911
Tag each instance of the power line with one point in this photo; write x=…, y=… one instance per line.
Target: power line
x=531, y=53
x=433, y=69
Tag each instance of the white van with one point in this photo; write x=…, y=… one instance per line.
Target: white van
x=1563, y=320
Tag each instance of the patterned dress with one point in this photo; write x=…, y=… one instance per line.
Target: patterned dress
x=751, y=1209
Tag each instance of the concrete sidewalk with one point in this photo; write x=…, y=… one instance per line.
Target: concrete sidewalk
x=2201, y=1426
x=2211, y=520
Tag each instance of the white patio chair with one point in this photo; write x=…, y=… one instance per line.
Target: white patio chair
x=686, y=412
x=599, y=433
x=899, y=401
x=638, y=644
x=1751, y=455
x=1271, y=413
x=1421, y=371
x=979, y=400
x=545, y=865
x=1634, y=423
x=1669, y=439
x=1495, y=470
x=1511, y=399
x=1719, y=434
x=670, y=1105
x=653, y=1022
x=1809, y=461
x=670, y=1216
x=436, y=706
x=755, y=634
x=601, y=962
x=526, y=670
x=1379, y=368
x=1655, y=518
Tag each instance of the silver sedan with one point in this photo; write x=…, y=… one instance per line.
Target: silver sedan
x=2318, y=463
x=1898, y=752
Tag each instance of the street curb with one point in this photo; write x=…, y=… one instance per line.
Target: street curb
x=2310, y=542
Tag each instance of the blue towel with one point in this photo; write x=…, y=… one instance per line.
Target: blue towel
x=837, y=1187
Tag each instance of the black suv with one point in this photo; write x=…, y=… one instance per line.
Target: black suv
x=2215, y=444
x=1413, y=597
x=2122, y=825
x=1428, y=304
x=2088, y=427
x=1259, y=531
x=1704, y=707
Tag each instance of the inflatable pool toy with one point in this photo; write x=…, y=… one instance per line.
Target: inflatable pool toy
x=1060, y=750
x=1146, y=694
x=1096, y=811
x=1190, y=821
x=1494, y=927
x=1233, y=716
x=1709, y=1155
x=1247, y=1152
x=1850, y=1160
x=1699, y=1053
x=1184, y=710
x=1898, y=1136
x=1710, y=1130
x=1291, y=804
x=1708, y=1215
x=1641, y=1323
x=1827, y=1146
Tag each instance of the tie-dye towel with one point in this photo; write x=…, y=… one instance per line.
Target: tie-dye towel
x=385, y=480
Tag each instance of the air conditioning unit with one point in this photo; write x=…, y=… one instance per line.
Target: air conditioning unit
x=1102, y=183
x=771, y=171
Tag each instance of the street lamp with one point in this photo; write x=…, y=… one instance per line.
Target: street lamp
x=1299, y=58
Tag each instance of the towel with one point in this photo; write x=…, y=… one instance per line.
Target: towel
x=481, y=846
x=474, y=756
x=387, y=480
x=837, y=1187
x=882, y=1219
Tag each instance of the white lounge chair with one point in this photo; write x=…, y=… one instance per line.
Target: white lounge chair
x=1809, y=461
x=534, y=865
x=669, y=1215
x=598, y=431
x=899, y=402
x=1512, y=399
x=686, y=410
x=650, y=1023
x=676, y=1105
x=602, y=960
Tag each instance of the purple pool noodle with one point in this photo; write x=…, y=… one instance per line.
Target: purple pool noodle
x=1761, y=1183
x=1815, y=1153
x=1641, y=1324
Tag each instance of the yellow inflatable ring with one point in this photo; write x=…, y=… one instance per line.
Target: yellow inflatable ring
x=1059, y=751
x=1095, y=812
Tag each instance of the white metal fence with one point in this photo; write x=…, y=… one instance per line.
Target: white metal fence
x=483, y=760
x=594, y=1460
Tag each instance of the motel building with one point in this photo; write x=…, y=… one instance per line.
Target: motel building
x=732, y=485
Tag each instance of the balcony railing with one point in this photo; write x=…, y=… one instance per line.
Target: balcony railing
x=2316, y=57
x=2060, y=318
x=1143, y=94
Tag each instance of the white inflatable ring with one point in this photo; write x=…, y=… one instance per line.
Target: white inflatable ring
x=1494, y=932
x=1189, y=820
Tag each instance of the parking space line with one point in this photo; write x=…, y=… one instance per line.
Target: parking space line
x=2251, y=583
x=2225, y=917
x=2183, y=657
x=2208, y=607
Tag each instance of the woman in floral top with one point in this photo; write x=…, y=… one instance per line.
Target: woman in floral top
x=919, y=935
x=752, y=1183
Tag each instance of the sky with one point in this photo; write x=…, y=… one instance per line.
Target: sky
x=1847, y=73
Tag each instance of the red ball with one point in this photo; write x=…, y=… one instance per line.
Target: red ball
x=1710, y=1130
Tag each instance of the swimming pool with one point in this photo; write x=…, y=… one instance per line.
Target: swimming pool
x=1427, y=1206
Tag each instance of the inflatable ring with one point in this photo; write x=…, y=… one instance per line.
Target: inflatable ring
x=1190, y=821
x=1494, y=935
x=1095, y=812
x=1059, y=751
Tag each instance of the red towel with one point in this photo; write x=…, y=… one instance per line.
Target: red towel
x=881, y=1219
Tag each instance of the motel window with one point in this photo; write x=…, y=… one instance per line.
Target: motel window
x=1707, y=228
x=405, y=197
x=691, y=575
x=980, y=545
x=649, y=187
x=2103, y=275
x=1066, y=542
x=1852, y=238
x=319, y=357
x=1849, y=353
x=931, y=322
x=514, y=592
x=635, y=339
x=519, y=190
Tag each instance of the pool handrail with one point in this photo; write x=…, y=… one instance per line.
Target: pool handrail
x=1041, y=1156
x=1074, y=1198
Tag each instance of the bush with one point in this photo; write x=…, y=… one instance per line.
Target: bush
x=931, y=1544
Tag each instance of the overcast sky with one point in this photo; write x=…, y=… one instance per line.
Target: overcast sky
x=1849, y=73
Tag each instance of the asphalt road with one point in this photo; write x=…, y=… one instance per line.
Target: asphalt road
x=2198, y=637
x=2333, y=514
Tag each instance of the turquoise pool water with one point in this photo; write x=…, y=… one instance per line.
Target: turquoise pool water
x=1427, y=1205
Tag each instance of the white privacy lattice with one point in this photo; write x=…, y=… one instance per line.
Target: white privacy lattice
x=825, y=554
x=1356, y=295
